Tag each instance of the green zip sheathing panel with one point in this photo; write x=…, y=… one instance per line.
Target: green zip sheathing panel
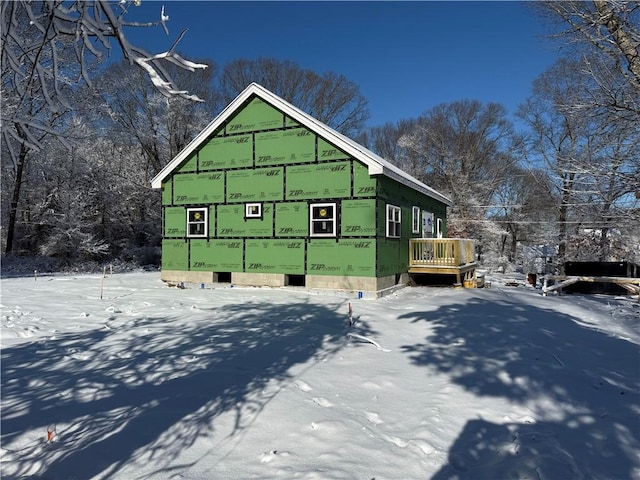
x=175, y=255
x=167, y=192
x=290, y=122
x=175, y=222
x=193, y=188
x=283, y=147
x=232, y=223
x=392, y=256
x=274, y=256
x=190, y=164
x=217, y=255
x=347, y=257
x=292, y=145
x=256, y=116
x=325, y=180
x=363, y=184
x=358, y=218
x=326, y=151
x=203, y=257
x=292, y=219
x=259, y=185
x=227, y=152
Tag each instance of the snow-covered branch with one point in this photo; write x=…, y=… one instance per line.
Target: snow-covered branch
x=45, y=43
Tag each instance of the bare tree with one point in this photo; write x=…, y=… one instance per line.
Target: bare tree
x=144, y=130
x=46, y=48
x=330, y=98
x=558, y=137
x=464, y=148
x=600, y=104
x=384, y=141
x=131, y=107
x=522, y=208
x=611, y=26
x=40, y=40
x=605, y=36
x=608, y=188
x=592, y=161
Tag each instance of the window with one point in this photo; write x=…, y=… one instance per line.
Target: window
x=323, y=220
x=253, y=210
x=197, y=222
x=393, y=221
x=415, y=225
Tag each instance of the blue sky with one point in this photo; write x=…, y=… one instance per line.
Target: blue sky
x=406, y=57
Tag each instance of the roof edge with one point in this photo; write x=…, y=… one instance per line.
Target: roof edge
x=156, y=182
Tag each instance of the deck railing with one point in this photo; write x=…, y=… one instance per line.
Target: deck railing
x=446, y=252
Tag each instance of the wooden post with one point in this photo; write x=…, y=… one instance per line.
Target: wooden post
x=104, y=274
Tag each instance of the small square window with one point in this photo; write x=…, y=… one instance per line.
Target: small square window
x=323, y=220
x=393, y=221
x=253, y=210
x=197, y=222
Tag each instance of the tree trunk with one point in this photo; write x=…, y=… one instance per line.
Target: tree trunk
x=562, y=236
x=15, y=198
x=604, y=251
x=503, y=244
x=623, y=39
x=514, y=245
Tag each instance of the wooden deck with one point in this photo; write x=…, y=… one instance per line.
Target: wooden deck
x=444, y=256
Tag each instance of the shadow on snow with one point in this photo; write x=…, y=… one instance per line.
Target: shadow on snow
x=581, y=385
x=148, y=388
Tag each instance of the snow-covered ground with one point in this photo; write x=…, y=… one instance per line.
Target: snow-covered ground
x=153, y=382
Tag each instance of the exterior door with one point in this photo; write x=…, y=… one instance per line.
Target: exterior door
x=427, y=224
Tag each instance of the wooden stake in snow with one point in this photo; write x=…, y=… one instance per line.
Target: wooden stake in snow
x=104, y=274
x=350, y=314
x=111, y=269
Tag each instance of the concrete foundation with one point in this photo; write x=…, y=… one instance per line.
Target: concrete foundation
x=180, y=276
x=258, y=279
x=371, y=287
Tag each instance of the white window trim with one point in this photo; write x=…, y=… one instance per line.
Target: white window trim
x=417, y=219
x=247, y=210
x=333, y=220
x=390, y=217
x=203, y=210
